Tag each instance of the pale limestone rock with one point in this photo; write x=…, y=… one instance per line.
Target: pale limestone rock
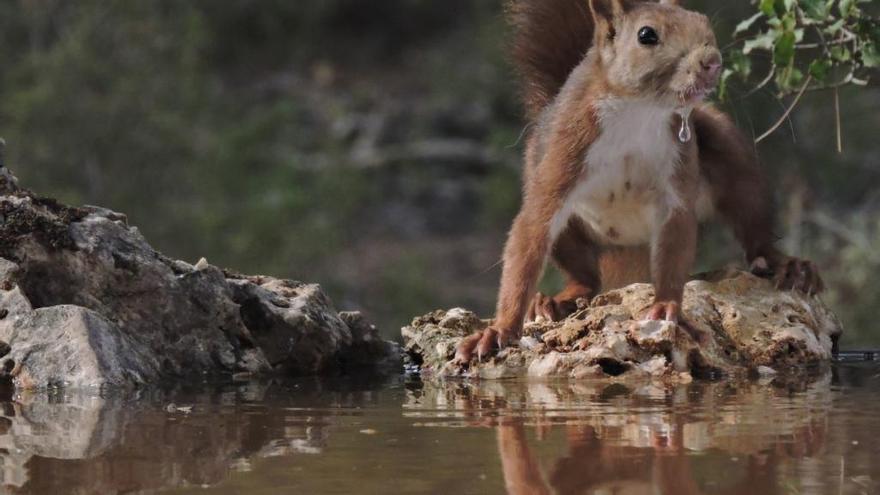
x=737, y=323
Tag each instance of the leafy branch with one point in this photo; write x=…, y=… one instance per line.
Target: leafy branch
x=811, y=45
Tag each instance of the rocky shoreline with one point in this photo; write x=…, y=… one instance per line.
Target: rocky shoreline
x=87, y=303
x=739, y=325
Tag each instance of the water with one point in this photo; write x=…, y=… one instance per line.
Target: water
x=398, y=435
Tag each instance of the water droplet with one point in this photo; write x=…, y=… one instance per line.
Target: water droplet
x=684, y=133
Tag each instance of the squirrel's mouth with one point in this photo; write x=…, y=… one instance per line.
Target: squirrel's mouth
x=695, y=94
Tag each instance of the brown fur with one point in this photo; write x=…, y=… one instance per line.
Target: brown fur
x=567, y=78
x=552, y=37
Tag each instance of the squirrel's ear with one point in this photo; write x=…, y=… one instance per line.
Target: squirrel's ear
x=604, y=12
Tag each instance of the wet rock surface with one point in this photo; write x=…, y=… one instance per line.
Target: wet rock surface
x=737, y=324
x=86, y=302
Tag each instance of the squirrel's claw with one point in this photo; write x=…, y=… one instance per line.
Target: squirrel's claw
x=790, y=273
x=664, y=310
x=482, y=344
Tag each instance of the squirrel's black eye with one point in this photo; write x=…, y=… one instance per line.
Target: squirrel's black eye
x=647, y=36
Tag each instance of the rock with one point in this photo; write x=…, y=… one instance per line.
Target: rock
x=86, y=302
x=738, y=324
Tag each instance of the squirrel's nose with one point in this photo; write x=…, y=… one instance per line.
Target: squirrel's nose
x=711, y=64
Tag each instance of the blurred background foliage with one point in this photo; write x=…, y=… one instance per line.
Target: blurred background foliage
x=369, y=146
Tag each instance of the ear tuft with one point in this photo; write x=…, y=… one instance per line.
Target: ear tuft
x=604, y=11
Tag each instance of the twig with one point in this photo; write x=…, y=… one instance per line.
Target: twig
x=811, y=46
x=787, y=112
x=835, y=86
x=763, y=83
x=522, y=134
x=837, y=120
x=733, y=43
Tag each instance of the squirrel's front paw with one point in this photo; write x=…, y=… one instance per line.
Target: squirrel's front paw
x=671, y=311
x=548, y=308
x=482, y=344
x=788, y=272
x=664, y=310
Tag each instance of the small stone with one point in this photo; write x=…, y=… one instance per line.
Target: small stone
x=655, y=366
x=529, y=343
x=766, y=371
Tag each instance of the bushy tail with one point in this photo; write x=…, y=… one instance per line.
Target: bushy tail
x=551, y=38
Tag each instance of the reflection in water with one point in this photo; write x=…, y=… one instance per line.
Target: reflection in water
x=642, y=440
x=401, y=436
x=57, y=443
x=720, y=438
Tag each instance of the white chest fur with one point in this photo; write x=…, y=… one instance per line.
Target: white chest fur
x=625, y=191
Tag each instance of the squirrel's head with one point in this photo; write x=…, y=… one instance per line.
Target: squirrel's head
x=655, y=50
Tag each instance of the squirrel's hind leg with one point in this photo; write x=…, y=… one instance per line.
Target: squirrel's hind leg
x=577, y=257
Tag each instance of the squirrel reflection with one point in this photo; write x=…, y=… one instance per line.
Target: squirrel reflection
x=703, y=438
x=592, y=465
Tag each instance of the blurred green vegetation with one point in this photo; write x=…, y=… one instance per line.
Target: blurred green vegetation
x=373, y=148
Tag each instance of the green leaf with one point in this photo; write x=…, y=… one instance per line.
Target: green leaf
x=767, y=7
x=835, y=28
x=841, y=53
x=783, y=6
x=789, y=78
x=763, y=41
x=845, y=7
x=783, y=50
x=870, y=55
x=815, y=9
x=746, y=24
x=789, y=22
x=797, y=77
x=819, y=69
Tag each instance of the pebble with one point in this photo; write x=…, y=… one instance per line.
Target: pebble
x=174, y=408
x=766, y=371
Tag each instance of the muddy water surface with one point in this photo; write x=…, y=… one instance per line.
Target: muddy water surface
x=398, y=435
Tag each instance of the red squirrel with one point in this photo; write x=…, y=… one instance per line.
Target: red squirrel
x=624, y=158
